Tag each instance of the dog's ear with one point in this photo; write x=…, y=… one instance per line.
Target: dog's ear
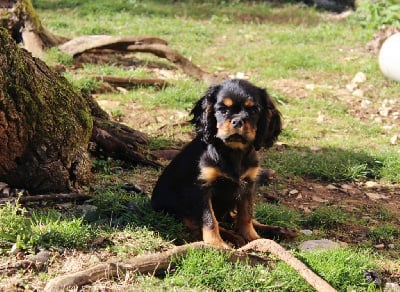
x=270, y=123
x=204, y=115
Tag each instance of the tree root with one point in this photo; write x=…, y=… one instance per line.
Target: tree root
x=120, y=142
x=156, y=263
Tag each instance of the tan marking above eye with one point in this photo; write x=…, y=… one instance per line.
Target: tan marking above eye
x=249, y=102
x=227, y=101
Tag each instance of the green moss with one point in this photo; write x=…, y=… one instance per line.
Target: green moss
x=27, y=9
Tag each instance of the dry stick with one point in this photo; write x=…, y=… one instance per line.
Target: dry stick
x=82, y=44
x=267, y=245
x=131, y=82
x=48, y=197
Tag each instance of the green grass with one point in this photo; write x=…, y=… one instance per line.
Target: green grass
x=51, y=229
x=343, y=268
x=277, y=215
x=41, y=229
x=385, y=233
x=210, y=269
x=326, y=217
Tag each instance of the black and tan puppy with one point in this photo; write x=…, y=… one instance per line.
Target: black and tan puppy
x=213, y=178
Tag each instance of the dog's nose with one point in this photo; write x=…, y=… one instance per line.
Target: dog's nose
x=237, y=123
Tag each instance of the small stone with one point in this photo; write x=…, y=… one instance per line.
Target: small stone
x=360, y=77
x=351, y=87
x=376, y=196
x=384, y=111
x=392, y=287
x=307, y=232
x=14, y=249
x=331, y=187
x=365, y=103
x=391, y=246
x=293, y=192
x=310, y=87
x=379, y=246
x=315, y=148
x=346, y=187
x=240, y=75
x=393, y=140
x=358, y=93
x=311, y=245
x=318, y=199
x=371, y=184
x=3, y=185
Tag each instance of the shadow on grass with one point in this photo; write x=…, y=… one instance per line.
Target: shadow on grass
x=117, y=209
x=332, y=164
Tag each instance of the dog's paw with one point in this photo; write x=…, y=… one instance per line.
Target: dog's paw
x=276, y=232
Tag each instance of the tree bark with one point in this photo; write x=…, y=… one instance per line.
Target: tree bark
x=45, y=125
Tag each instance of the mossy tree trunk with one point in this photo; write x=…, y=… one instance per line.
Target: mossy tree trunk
x=45, y=125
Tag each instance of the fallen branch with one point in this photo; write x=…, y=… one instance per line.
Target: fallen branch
x=82, y=44
x=37, y=263
x=47, y=197
x=267, y=245
x=129, y=82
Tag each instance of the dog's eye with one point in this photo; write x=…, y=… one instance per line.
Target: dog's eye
x=254, y=109
x=222, y=109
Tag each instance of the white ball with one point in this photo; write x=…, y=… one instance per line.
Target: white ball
x=389, y=57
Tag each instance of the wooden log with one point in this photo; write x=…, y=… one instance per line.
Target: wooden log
x=156, y=46
x=82, y=44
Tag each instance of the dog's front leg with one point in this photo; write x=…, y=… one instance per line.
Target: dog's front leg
x=244, y=219
x=210, y=227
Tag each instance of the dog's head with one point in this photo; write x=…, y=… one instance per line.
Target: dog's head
x=239, y=114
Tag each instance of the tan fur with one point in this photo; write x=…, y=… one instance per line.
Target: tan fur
x=210, y=174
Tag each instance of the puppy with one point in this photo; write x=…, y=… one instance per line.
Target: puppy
x=213, y=178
